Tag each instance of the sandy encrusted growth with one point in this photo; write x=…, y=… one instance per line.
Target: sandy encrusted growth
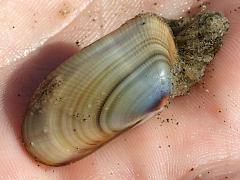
x=198, y=39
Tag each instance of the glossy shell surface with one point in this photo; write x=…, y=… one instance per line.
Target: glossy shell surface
x=106, y=88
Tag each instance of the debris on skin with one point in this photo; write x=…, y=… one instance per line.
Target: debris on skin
x=77, y=43
x=203, y=6
x=64, y=10
x=234, y=10
x=168, y=121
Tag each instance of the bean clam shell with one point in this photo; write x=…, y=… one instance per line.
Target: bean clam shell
x=106, y=88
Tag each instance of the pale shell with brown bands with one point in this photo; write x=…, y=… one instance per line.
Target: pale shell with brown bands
x=101, y=91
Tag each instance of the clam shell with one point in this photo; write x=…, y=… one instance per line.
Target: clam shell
x=106, y=88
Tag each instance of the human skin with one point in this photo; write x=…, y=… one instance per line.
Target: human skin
x=197, y=137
